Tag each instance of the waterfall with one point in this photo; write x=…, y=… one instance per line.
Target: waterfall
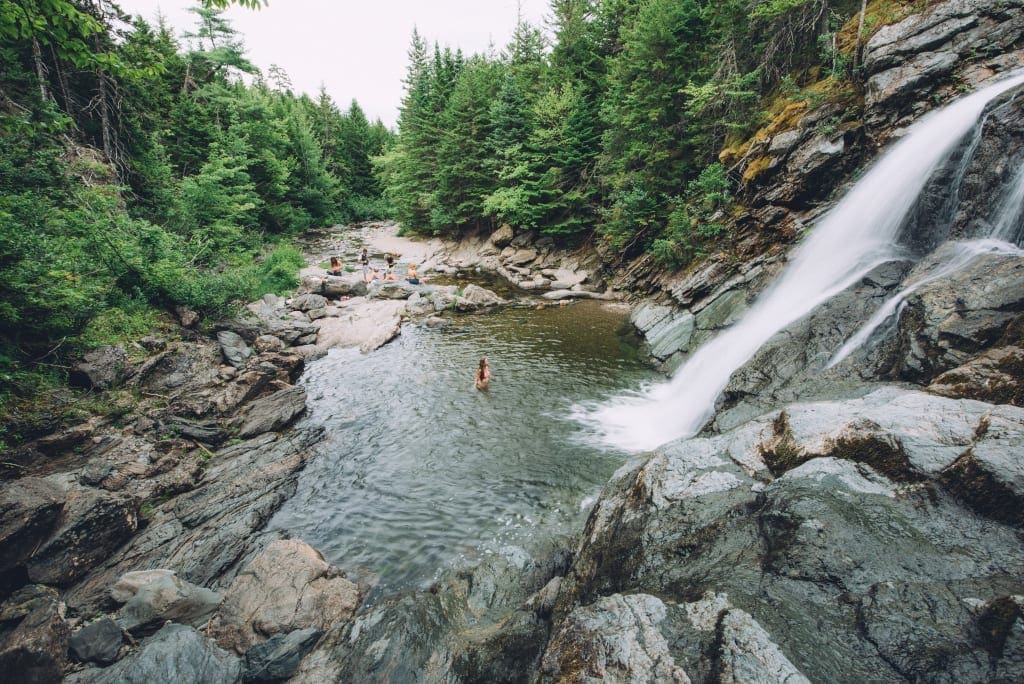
x=858, y=234
x=1007, y=225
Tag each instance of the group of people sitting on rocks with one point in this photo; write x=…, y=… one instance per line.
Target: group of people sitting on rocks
x=371, y=273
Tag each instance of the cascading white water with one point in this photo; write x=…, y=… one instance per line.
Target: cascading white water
x=857, y=235
x=959, y=255
x=1006, y=225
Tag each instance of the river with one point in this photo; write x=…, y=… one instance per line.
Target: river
x=419, y=472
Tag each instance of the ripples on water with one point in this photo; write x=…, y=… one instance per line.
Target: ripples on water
x=419, y=470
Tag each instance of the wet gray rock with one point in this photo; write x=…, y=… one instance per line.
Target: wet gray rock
x=950, y=320
x=234, y=348
x=907, y=60
x=95, y=523
x=399, y=639
x=278, y=657
x=990, y=476
x=272, y=413
x=802, y=519
x=288, y=586
x=994, y=376
x=30, y=509
x=792, y=364
x=418, y=305
x=97, y=642
x=671, y=335
x=101, y=368
x=500, y=637
x=207, y=534
x=175, y=653
x=152, y=597
x=647, y=315
x=901, y=83
x=722, y=311
x=747, y=653
x=614, y=640
x=982, y=182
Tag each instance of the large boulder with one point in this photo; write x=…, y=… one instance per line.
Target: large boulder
x=174, y=654
x=344, y=286
x=94, y=525
x=152, y=597
x=30, y=509
x=308, y=302
x=474, y=297
x=313, y=284
x=393, y=289
x=273, y=412
x=98, y=642
x=234, y=348
x=101, y=368
x=502, y=236
x=288, y=586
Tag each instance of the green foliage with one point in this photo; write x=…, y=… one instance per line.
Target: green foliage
x=279, y=271
x=132, y=319
x=197, y=171
x=695, y=219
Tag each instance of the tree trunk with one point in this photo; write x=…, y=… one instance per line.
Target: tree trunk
x=860, y=32
x=37, y=58
x=106, y=131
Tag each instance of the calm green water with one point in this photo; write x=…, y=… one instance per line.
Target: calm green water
x=419, y=471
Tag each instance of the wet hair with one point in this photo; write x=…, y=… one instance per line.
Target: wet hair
x=335, y=262
x=390, y=259
x=480, y=370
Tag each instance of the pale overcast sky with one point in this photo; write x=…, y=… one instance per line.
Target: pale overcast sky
x=355, y=49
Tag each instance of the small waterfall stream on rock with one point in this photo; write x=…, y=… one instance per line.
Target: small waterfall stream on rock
x=857, y=235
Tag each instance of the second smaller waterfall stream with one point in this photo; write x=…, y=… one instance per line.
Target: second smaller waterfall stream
x=857, y=235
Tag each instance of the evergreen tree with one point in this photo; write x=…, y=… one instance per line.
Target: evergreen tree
x=463, y=176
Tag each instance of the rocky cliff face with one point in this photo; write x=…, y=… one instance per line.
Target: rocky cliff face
x=849, y=522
